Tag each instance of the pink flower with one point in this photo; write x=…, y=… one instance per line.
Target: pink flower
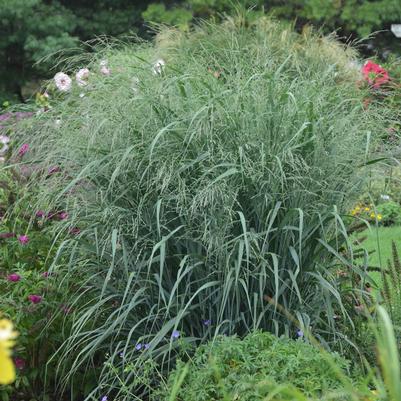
x=74, y=231
x=19, y=363
x=23, y=239
x=81, y=76
x=23, y=149
x=45, y=274
x=35, y=299
x=40, y=214
x=105, y=70
x=7, y=235
x=54, y=169
x=14, y=277
x=63, y=215
x=375, y=74
x=66, y=309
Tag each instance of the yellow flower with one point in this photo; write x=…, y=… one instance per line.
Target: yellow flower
x=7, y=335
x=367, y=209
x=379, y=216
x=372, y=215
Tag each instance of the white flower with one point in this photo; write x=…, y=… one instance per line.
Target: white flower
x=385, y=197
x=82, y=95
x=105, y=70
x=103, y=63
x=57, y=123
x=158, y=66
x=4, y=139
x=81, y=76
x=63, y=82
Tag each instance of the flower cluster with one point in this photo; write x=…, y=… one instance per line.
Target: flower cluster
x=375, y=74
x=366, y=212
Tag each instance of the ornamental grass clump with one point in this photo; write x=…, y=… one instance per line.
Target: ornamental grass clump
x=204, y=178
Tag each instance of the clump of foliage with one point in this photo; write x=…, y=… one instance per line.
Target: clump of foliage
x=204, y=171
x=250, y=369
x=33, y=295
x=390, y=212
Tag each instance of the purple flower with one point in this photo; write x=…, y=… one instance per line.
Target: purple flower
x=40, y=214
x=4, y=117
x=7, y=235
x=104, y=398
x=14, y=277
x=138, y=347
x=121, y=354
x=23, y=239
x=175, y=334
x=54, y=169
x=63, y=215
x=35, y=299
x=19, y=363
x=207, y=322
x=146, y=346
x=300, y=333
x=66, y=309
x=23, y=149
x=74, y=231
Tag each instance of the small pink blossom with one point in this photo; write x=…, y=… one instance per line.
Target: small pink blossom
x=40, y=214
x=19, y=363
x=14, y=277
x=35, y=299
x=105, y=70
x=63, y=215
x=23, y=149
x=74, y=231
x=53, y=170
x=81, y=76
x=45, y=274
x=66, y=309
x=7, y=235
x=23, y=239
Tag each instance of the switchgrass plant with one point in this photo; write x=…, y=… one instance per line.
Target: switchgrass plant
x=204, y=187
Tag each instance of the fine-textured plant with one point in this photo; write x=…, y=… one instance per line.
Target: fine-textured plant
x=202, y=174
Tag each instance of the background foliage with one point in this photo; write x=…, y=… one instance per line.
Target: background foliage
x=33, y=29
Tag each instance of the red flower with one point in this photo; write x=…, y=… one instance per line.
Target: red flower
x=35, y=299
x=375, y=74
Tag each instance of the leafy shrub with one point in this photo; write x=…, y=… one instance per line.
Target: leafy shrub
x=204, y=187
x=390, y=212
x=248, y=369
x=32, y=294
